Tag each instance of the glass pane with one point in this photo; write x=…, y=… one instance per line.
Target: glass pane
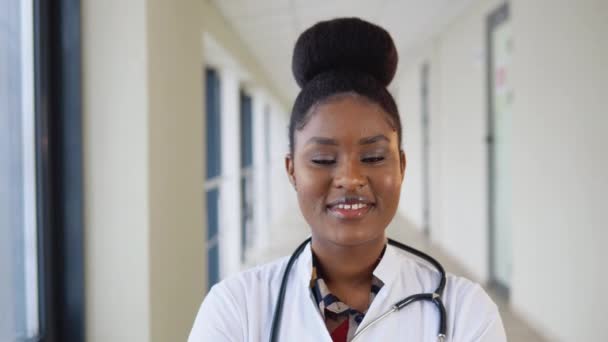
x=214, y=148
x=246, y=172
x=213, y=263
x=18, y=250
x=503, y=96
x=246, y=130
x=267, y=134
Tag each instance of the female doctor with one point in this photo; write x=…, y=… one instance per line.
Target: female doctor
x=347, y=166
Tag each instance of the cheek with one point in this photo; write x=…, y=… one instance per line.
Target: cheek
x=312, y=187
x=388, y=187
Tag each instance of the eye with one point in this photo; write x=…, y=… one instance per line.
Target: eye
x=320, y=161
x=373, y=159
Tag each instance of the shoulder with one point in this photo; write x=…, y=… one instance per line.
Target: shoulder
x=466, y=297
x=224, y=315
x=472, y=314
x=458, y=290
x=262, y=276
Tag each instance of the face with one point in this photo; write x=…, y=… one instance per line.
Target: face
x=347, y=169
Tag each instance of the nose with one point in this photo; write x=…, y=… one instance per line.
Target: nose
x=350, y=176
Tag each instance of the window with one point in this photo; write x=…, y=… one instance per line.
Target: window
x=41, y=224
x=214, y=170
x=246, y=110
x=18, y=227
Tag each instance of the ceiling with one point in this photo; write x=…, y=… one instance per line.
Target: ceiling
x=270, y=28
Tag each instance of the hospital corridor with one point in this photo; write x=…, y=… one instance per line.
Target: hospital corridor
x=143, y=149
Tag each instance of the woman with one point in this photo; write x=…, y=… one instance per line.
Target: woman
x=347, y=166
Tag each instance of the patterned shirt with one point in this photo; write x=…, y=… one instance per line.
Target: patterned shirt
x=341, y=320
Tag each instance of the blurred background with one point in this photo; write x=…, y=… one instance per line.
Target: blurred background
x=142, y=146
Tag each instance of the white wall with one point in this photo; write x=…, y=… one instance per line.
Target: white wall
x=408, y=99
x=283, y=194
x=458, y=158
x=287, y=227
x=559, y=163
x=560, y=166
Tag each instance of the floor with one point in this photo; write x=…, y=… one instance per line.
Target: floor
x=282, y=244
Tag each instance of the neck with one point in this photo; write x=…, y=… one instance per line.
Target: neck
x=351, y=266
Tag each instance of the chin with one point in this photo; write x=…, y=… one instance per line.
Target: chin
x=352, y=237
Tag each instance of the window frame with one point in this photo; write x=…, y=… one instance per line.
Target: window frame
x=59, y=185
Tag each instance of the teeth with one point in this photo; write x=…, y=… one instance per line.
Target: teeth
x=355, y=206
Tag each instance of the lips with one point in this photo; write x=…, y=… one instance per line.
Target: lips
x=350, y=208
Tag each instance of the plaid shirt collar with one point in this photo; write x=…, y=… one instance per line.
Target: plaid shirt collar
x=330, y=306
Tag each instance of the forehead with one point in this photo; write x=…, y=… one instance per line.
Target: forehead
x=347, y=118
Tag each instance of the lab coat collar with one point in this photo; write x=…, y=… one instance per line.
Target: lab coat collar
x=304, y=265
x=386, y=270
x=387, y=267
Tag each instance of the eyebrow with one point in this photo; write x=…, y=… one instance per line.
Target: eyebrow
x=322, y=141
x=333, y=142
x=371, y=140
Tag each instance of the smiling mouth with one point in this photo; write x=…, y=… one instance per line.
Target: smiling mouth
x=350, y=208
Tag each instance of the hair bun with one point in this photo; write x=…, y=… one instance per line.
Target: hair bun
x=344, y=44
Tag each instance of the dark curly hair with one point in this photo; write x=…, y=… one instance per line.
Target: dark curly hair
x=341, y=56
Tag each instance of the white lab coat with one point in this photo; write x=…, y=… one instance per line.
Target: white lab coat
x=241, y=307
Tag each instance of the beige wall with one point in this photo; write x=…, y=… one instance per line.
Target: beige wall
x=144, y=163
x=115, y=119
x=559, y=163
x=175, y=166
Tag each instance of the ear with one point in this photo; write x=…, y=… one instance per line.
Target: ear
x=290, y=169
x=402, y=163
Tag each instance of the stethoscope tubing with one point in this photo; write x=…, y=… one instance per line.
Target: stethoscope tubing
x=434, y=297
x=278, y=310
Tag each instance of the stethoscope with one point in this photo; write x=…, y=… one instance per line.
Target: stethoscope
x=434, y=297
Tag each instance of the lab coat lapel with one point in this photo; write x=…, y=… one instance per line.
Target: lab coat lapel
x=302, y=320
x=399, y=282
x=388, y=272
